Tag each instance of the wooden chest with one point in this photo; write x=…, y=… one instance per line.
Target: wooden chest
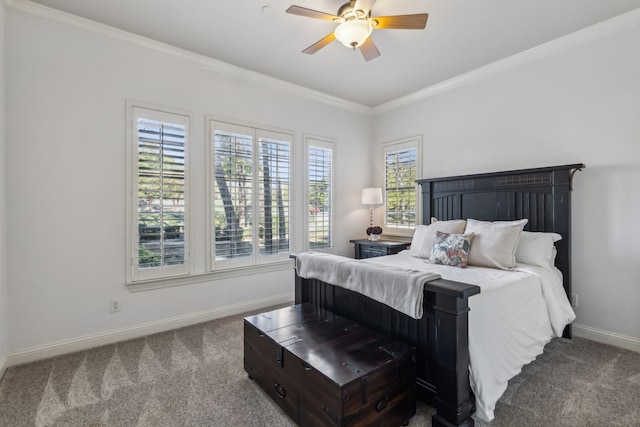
x=325, y=370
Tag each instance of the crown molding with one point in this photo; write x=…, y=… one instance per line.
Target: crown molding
x=596, y=31
x=602, y=29
x=32, y=9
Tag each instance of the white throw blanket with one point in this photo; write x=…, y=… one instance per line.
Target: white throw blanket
x=399, y=288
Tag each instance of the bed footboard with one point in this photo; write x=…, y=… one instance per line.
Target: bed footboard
x=440, y=338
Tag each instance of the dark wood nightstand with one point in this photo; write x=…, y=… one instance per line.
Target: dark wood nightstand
x=365, y=248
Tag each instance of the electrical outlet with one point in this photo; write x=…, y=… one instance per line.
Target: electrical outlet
x=574, y=300
x=114, y=306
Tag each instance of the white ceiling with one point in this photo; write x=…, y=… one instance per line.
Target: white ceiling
x=461, y=35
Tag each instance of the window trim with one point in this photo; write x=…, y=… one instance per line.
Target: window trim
x=134, y=274
x=408, y=142
x=322, y=142
x=255, y=260
x=208, y=276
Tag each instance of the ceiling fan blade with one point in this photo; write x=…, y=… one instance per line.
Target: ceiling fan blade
x=319, y=44
x=404, y=22
x=310, y=13
x=369, y=50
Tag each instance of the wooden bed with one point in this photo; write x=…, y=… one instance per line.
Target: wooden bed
x=441, y=336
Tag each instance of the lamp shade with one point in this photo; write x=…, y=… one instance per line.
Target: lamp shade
x=353, y=33
x=371, y=196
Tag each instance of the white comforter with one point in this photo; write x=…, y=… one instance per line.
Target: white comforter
x=510, y=321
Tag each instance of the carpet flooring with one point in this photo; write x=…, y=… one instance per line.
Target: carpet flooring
x=194, y=376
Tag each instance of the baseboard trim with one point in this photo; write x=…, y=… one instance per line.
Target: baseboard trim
x=90, y=341
x=58, y=348
x=606, y=337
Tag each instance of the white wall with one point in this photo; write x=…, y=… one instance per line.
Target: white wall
x=578, y=106
x=4, y=306
x=66, y=93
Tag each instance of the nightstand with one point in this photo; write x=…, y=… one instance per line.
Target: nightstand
x=365, y=248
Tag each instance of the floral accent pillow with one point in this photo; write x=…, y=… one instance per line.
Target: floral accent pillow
x=451, y=249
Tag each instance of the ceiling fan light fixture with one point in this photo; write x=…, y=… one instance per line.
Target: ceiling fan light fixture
x=354, y=32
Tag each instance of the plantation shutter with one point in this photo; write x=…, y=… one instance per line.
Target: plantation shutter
x=160, y=195
x=320, y=183
x=400, y=187
x=251, y=170
x=274, y=155
x=233, y=198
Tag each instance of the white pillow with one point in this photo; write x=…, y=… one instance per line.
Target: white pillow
x=422, y=241
x=537, y=249
x=494, y=243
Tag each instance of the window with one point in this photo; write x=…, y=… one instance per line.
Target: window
x=250, y=195
x=401, y=166
x=158, y=220
x=319, y=189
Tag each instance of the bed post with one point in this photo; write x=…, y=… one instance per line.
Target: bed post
x=298, y=285
x=453, y=399
x=562, y=187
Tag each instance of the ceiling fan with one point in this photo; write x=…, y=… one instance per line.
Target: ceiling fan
x=355, y=26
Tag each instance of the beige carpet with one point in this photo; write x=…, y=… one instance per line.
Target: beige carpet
x=194, y=377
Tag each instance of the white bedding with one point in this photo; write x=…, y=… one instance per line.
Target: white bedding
x=510, y=321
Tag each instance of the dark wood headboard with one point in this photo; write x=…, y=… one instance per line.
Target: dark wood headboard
x=543, y=195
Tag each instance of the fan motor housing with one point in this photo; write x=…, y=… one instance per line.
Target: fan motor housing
x=346, y=9
x=348, y=12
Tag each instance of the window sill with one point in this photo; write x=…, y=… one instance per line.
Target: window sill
x=147, y=285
